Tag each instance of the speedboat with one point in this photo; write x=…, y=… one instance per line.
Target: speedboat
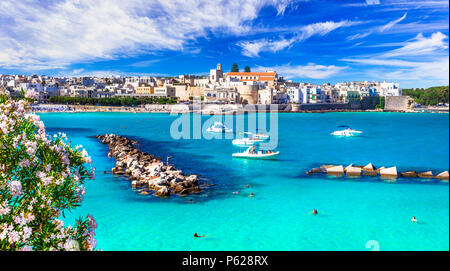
x=258, y=135
x=245, y=142
x=346, y=132
x=219, y=127
x=251, y=153
x=261, y=136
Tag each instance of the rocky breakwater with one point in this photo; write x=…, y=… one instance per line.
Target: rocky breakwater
x=145, y=170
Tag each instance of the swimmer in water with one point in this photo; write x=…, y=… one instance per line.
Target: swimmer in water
x=196, y=235
x=191, y=201
x=413, y=219
x=236, y=192
x=314, y=212
x=247, y=186
x=251, y=194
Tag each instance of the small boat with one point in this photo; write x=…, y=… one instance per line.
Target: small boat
x=346, y=132
x=245, y=142
x=261, y=136
x=258, y=135
x=219, y=127
x=251, y=153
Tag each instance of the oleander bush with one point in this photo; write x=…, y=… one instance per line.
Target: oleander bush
x=41, y=178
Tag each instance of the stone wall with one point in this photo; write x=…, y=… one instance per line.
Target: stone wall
x=369, y=102
x=398, y=103
x=325, y=106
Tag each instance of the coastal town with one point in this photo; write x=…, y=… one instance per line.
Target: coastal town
x=223, y=88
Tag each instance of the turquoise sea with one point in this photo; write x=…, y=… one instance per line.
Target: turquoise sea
x=354, y=214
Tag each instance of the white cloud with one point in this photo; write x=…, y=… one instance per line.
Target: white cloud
x=311, y=70
x=392, y=23
x=145, y=63
x=421, y=46
x=253, y=48
x=40, y=35
x=372, y=2
x=377, y=29
x=417, y=61
x=359, y=35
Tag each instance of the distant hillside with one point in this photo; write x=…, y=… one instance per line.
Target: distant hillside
x=429, y=96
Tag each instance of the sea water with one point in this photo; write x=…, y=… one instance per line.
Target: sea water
x=354, y=213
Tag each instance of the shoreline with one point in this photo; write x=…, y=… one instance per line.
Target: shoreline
x=113, y=109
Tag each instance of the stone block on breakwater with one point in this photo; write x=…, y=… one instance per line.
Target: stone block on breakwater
x=442, y=175
x=409, y=174
x=426, y=175
x=368, y=167
x=336, y=170
x=389, y=172
x=353, y=171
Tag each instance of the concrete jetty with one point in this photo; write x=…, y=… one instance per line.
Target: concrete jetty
x=370, y=170
x=147, y=171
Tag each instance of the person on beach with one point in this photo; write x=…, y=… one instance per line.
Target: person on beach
x=314, y=212
x=196, y=235
x=413, y=219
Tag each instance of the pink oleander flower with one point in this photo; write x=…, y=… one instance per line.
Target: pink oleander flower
x=31, y=94
x=15, y=188
x=13, y=237
x=4, y=209
x=86, y=157
x=92, y=222
x=25, y=163
x=26, y=248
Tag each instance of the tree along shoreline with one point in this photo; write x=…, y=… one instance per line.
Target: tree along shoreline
x=429, y=96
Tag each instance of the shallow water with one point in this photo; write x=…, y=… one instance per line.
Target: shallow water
x=351, y=211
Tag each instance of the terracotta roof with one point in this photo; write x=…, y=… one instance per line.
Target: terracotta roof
x=260, y=79
x=251, y=74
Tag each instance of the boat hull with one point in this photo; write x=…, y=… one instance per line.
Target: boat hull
x=219, y=131
x=245, y=143
x=339, y=133
x=271, y=156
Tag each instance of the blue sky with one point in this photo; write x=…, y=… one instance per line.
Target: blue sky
x=314, y=41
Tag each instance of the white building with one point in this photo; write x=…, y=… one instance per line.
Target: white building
x=265, y=96
x=216, y=74
x=294, y=95
x=390, y=89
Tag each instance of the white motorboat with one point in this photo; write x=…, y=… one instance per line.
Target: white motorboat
x=219, y=127
x=251, y=153
x=245, y=142
x=261, y=136
x=257, y=135
x=346, y=132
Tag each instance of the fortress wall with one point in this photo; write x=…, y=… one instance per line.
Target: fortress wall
x=398, y=103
